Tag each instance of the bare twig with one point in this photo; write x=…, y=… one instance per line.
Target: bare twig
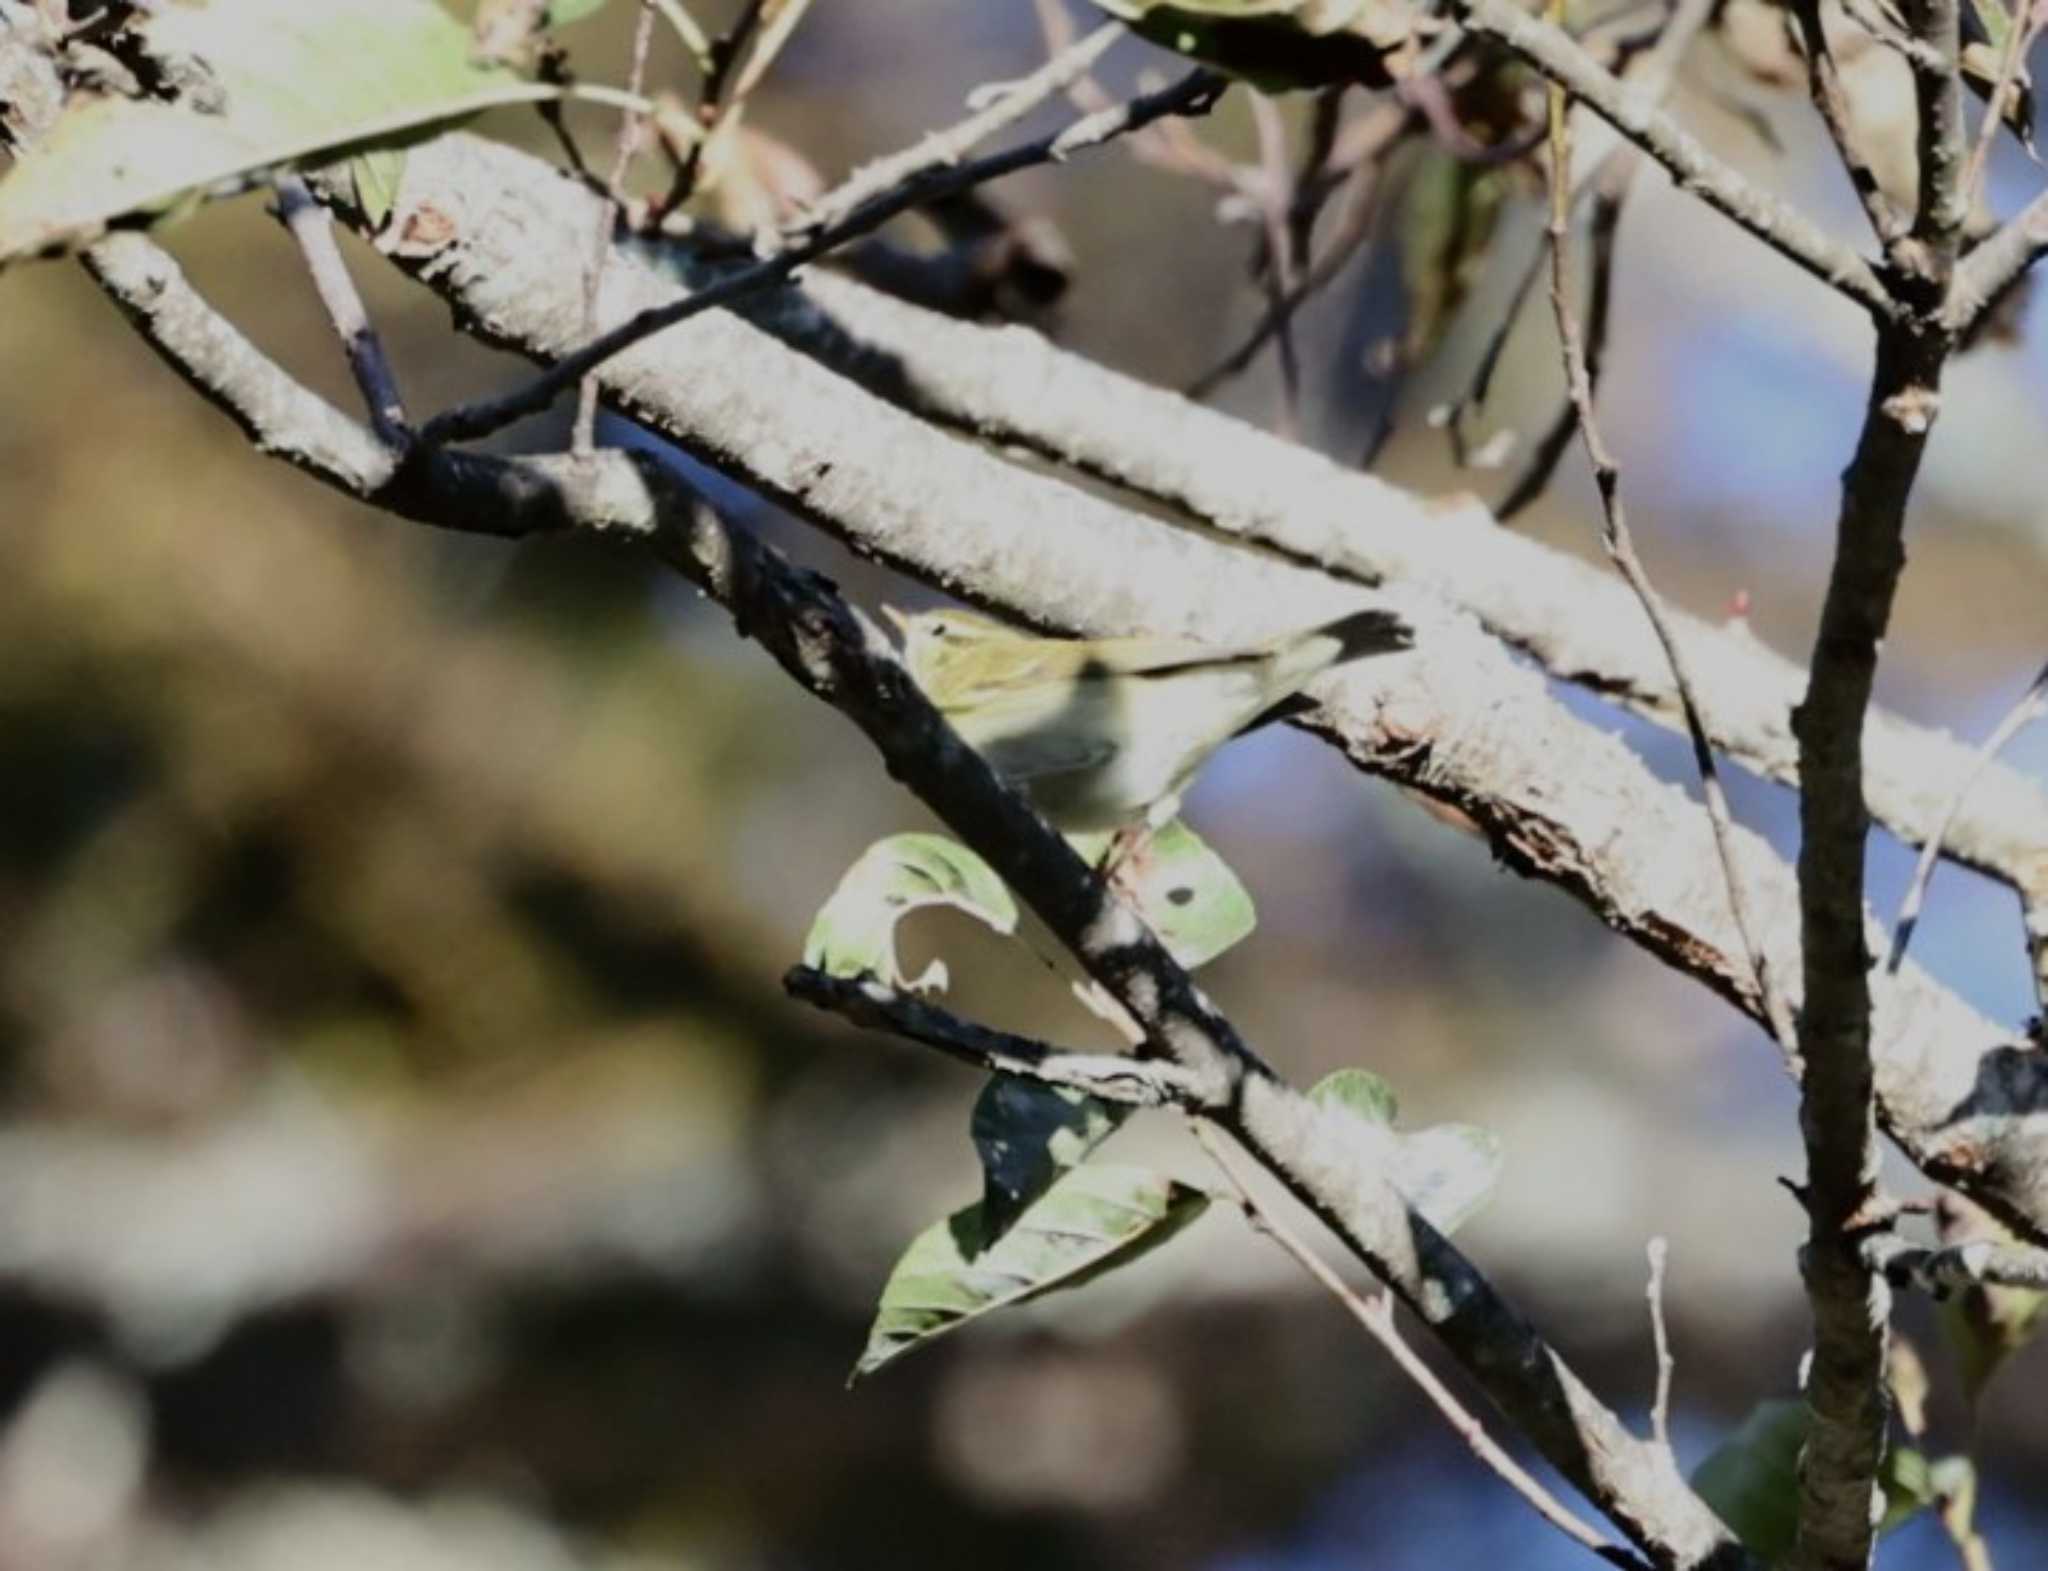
x=994, y=112
x=2022, y=28
x=1377, y=1316
x=1769, y=218
x=312, y=227
x=1660, y=1334
x=1610, y=194
x=1996, y=265
x=875, y=1006
x=1824, y=86
x=2032, y=703
x=1359, y=217
x=687, y=30
x=1193, y=94
x=775, y=34
x=1622, y=552
x=1275, y=198
x=584, y=437
x=722, y=57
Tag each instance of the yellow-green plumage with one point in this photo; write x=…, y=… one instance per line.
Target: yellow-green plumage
x=1107, y=733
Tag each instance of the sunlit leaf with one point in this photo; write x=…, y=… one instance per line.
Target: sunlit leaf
x=1096, y=1219
x=854, y=933
x=1028, y=1134
x=1186, y=892
x=262, y=84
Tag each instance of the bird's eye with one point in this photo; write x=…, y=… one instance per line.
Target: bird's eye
x=940, y=630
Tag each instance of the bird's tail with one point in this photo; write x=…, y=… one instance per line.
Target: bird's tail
x=1352, y=637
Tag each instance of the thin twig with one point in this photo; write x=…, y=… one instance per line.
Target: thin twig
x=1355, y=231
x=1610, y=195
x=2031, y=705
x=1621, y=551
x=775, y=33
x=1824, y=86
x=1193, y=94
x=1275, y=197
x=2021, y=30
x=312, y=226
x=993, y=112
x=584, y=436
x=723, y=56
x=1763, y=214
x=875, y=1006
x=687, y=30
x=1660, y=1335
x=1376, y=1315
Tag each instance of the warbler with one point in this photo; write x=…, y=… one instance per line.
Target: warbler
x=1105, y=734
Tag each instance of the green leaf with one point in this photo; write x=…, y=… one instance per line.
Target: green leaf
x=1186, y=893
x=1449, y=210
x=1359, y=1092
x=1752, y=1479
x=377, y=175
x=263, y=85
x=1028, y=1134
x=854, y=933
x=1277, y=45
x=1445, y=1171
x=1096, y=1219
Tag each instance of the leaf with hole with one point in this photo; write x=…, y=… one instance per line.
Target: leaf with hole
x=1186, y=893
x=854, y=933
x=1096, y=1219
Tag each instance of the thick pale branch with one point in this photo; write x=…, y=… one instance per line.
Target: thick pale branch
x=818, y=639
x=1008, y=385
x=1466, y=723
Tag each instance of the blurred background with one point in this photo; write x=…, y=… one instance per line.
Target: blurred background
x=407, y=1157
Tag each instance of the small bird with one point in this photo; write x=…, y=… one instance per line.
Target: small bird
x=1105, y=734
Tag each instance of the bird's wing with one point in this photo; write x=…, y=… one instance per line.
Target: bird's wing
x=1031, y=755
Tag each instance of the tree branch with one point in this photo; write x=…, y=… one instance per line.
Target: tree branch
x=1011, y=387
x=875, y=1006
x=801, y=621
x=1194, y=94
x=1851, y=1305
x=1779, y=225
x=1467, y=724
x=1619, y=542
